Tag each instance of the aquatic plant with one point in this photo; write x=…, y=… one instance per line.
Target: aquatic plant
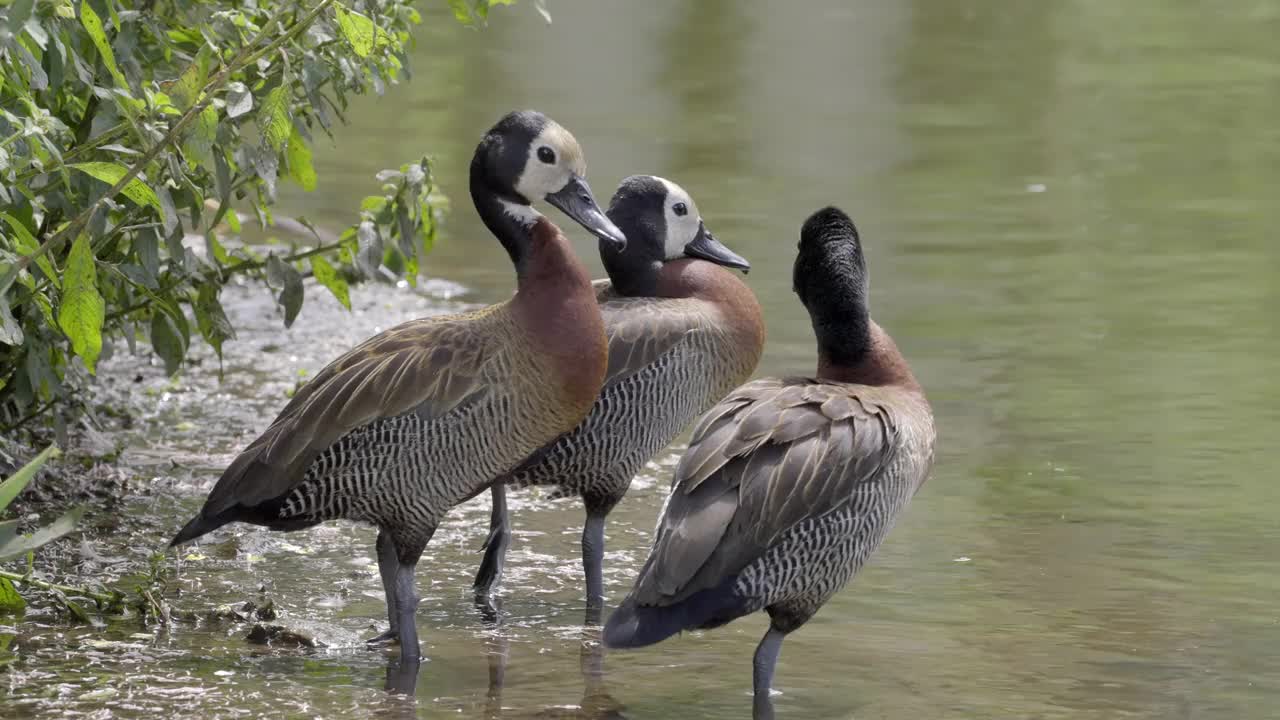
x=131, y=130
x=14, y=544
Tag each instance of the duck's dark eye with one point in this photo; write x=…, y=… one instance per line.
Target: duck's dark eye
x=680, y=209
x=547, y=155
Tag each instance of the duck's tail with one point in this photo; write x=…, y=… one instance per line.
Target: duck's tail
x=633, y=626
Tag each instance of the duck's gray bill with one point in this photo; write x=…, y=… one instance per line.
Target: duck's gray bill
x=707, y=247
x=576, y=201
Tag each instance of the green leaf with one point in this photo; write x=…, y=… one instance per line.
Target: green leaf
x=10, y=488
x=18, y=13
x=93, y=25
x=239, y=99
x=186, y=90
x=285, y=275
x=369, y=254
x=82, y=311
x=111, y=173
x=11, y=603
x=10, y=329
x=273, y=118
x=21, y=545
x=358, y=30
x=76, y=610
x=211, y=319
x=215, y=249
x=185, y=35
x=169, y=338
x=40, y=374
x=462, y=12
x=197, y=147
x=46, y=308
x=407, y=232
x=327, y=276
x=147, y=247
x=298, y=156
x=28, y=245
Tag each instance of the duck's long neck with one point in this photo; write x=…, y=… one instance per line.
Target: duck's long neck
x=555, y=305
x=506, y=216
x=550, y=268
x=877, y=360
x=631, y=274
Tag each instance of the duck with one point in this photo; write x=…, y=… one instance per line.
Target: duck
x=418, y=418
x=788, y=484
x=683, y=331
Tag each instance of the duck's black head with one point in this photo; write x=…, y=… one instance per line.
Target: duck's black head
x=661, y=223
x=830, y=277
x=525, y=158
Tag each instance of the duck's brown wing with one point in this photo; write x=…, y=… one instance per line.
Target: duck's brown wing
x=771, y=454
x=429, y=366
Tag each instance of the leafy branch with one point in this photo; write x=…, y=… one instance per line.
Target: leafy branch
x=209, y=104
x=175, y=132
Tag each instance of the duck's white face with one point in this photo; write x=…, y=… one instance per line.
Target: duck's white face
x=555, y=158
x=683, y=220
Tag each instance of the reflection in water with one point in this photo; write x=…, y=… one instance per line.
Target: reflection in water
x=402, y=677
x=596, y=703
x=498, y=653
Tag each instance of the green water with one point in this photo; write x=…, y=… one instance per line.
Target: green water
x=1070, y=215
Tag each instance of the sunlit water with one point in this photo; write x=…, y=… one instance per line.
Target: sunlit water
x=1070, y=218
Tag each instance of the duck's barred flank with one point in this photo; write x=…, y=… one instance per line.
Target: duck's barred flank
x=403, y=471
x=636, y=416
x=816, y=558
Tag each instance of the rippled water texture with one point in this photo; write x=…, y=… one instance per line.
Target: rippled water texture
x=1070, y=216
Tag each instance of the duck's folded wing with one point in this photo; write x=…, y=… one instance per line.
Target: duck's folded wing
x=771, y=454
x=429, y=366
x=642, y=330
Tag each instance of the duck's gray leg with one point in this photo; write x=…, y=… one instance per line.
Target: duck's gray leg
x=495, y=550
x=762, y=708
x=406, y=607
x=766, y=659
x=593, y=563
x=387, y=563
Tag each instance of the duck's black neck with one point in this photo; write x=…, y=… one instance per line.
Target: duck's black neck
x=831, y=279
x=637, y=210
x=843, y=329
x=514, y=233
x=631, y=273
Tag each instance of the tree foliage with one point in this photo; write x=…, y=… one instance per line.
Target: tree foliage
x=131, y=130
